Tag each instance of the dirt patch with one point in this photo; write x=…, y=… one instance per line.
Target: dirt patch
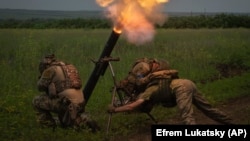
x=230, y=70
x=227, y=70
x=238, y=109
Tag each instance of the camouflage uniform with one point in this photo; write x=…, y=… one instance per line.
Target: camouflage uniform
x=165, y=87
x=60, y=96
x=186, y=94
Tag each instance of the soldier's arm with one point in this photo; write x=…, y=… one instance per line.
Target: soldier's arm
x=45, y=80
x=129, y=107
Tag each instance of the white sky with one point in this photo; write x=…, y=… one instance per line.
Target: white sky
x=172, y=5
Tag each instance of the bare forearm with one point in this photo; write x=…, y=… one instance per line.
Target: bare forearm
x=129, y=107
x=123, y=109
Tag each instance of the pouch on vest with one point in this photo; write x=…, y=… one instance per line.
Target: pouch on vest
x=72, y=77
x=168, y=98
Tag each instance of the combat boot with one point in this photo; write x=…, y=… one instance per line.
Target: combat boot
x=46, y=120
x=84, y=121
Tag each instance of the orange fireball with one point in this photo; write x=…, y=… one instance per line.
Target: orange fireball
x=136, y=19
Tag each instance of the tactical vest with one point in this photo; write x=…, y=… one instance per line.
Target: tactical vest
x=72, y=78
x=159, y=73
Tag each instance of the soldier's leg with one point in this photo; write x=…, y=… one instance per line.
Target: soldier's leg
x=214, y=113
x=184, y=97
x=43, y=105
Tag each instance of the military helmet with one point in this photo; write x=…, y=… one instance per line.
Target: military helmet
x=45, y=62
x=141, y=69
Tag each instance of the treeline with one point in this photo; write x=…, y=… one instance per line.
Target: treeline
x=204, y=21
x=199, y=21
x=54, y=23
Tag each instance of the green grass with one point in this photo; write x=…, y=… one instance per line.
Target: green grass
x=192, y=52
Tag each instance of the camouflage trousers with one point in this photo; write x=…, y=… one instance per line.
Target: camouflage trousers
x=68, y=114
x=187, y=95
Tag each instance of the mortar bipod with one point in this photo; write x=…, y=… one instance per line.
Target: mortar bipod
x=114, y=91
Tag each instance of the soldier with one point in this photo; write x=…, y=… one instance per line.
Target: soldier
x=153, y=82
x=61, y=86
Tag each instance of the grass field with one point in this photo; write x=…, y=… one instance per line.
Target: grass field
x=195, y=53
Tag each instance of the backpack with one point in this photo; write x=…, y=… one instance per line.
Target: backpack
x=144, y=66
x=72, y=77
x=146, y=71
x=143, y=72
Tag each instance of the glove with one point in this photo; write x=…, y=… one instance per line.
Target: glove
x=122, y=84
x=142, y=81
x=111, y=109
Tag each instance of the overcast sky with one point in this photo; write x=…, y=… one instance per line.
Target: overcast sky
x=172, y=5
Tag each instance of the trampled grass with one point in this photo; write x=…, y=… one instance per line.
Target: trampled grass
x=193, y=52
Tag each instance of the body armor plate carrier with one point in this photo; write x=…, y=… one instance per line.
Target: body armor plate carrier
x=72, y=78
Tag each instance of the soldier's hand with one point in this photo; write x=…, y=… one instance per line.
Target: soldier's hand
x=142, y=81
x=111, y=109
x=122, y=84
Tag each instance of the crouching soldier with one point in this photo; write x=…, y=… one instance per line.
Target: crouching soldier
x=62, y=95
x=152, y=81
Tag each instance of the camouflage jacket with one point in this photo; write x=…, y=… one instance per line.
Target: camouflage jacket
x=54, y=82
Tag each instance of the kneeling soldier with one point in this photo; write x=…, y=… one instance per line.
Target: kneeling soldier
x=61, y=86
